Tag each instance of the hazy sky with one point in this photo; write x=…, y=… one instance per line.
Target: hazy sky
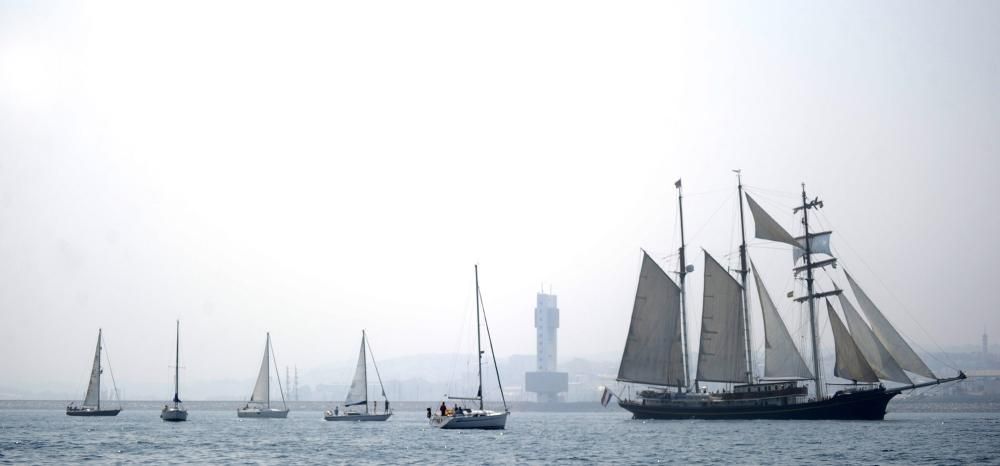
x=311, y=169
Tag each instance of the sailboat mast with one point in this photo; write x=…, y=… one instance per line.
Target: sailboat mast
x=267, y=351
x=743, y=278
x=479, y=345
x=682, y=272
x=177, y=362
x=365, y=370
x=99, y=369
x=817, y=377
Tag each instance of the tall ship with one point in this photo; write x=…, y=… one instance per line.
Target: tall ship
x=92, y=400
x=259, y=405
x=871, y=356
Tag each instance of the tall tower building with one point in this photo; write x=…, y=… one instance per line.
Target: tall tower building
x=546, y=382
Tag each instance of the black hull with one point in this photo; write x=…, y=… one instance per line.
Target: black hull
x=99, y=412
x=861, y=406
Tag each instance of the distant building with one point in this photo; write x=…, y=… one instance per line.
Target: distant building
x=546, y=382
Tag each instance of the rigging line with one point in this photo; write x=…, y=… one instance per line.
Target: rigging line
x=949, y=364
x=489, y=337
x=707, y=222
x=107, y=354
x=702, y=193
x=379, y=376
x=274, y=359
x=772, y=192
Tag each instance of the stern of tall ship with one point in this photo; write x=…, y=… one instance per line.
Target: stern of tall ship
x=860, y=404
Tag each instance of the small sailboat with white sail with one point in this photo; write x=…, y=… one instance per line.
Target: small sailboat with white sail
x=868, y=354
x=474, y=418
x=175, y=412
x=259, y=405
x=357, y=395
x=92, y=401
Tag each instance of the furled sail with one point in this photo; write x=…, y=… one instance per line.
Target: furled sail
x=93, y=397
x=781, y=357
x=358, y=394
x=851, y=364
x=765, y=227
x=819, y=243
x=262, y=389
x=888, y=336
x=653, y=351
x=881, y=361
x=722, y=356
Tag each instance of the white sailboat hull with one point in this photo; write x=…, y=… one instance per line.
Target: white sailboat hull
x=356, y=417
x=265, y=413
x=174, y=414
x=476, y=420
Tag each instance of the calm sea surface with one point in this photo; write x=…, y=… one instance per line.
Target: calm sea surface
x=214, y=435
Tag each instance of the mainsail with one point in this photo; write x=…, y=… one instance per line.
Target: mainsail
x=722, y=356
x=653, y=352
x=881, y=361
x=851, y=364
x=93, y=397
x=781, y=357
x=262, y=390
x=888, y=335
x=358, y=394
x=765, y=227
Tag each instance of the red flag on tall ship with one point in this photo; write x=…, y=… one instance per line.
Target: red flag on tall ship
x=606, y=397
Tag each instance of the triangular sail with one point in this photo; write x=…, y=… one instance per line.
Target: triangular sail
x=851, y=364
x=722, y=356
x=653, y=350
x=888, y=335
x=781, y=357
x=93, y=397
x=881, y=361
x=765, y=227
x=358, y=394
x=262, y=389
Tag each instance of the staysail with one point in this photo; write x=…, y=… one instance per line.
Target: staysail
x=93, y=397
x=765, y=227
x=888, y=335
x=722, y=356
x=781, y=357
x=358, y=394
x=851, y=364
x=262, y=390
x=653, y=352
x=881, y=361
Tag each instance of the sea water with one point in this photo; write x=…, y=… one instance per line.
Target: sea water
x=213, y=434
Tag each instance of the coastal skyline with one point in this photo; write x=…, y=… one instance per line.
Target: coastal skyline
x=346, y=168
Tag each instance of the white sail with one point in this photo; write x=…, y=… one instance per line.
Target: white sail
x=262, y=390
x=722, y=356
x=93, y=397
x=881, y=361
x=765, y=227
x=358, y=394
x=888, y=336
x=653, y=352
x=781, y=357
x=851, y=364
x=819, y=243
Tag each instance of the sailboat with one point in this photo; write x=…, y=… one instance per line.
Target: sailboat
x=175, y=411
x=868, y=354
x=92, y=401
x=481, y=418
x=357, y=395
x=259, y=405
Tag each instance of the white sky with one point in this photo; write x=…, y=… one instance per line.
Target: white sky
x=312, y=169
